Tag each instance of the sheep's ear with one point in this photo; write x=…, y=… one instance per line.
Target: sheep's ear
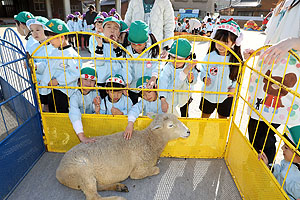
x=156, y=127
x=151, y=115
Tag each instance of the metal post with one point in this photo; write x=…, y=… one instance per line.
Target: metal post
x=67, y=7
x=49, y=10
x=98, y=7
x=118, y=6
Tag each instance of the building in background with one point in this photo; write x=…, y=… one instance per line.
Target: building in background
x=203, y=6
x=245, y=10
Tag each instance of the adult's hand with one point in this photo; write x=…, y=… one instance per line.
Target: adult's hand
x=277, y=51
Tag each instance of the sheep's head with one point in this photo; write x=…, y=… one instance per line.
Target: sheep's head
x=169, y=123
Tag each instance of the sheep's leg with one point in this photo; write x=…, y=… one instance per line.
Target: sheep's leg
x=119, y=187
x=142, y=172
x=89, y=188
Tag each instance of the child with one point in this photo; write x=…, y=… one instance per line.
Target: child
x=209, y=27
x=115, y=103
x=21, y=20
x=89, y=104
x=292, y=182
x=70, y=24
x=185, y=77
x=140, y=39
x=63, y=72
x=105, y=69
x=37, y=26
x=149, y=103
x=77, y=24
x=216, y=75
x=98, y=22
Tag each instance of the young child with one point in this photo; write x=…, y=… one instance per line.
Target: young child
x=115, y=103
x=63, y=72
x=107, y=68
x=21, y=20
x=89, y=104
x=292, y=182
x=216, y=75
x=77, y=24
x=37, y=26
x=70, y=24
x=140, y=39
x=98, y=22
x=185, y=77
x=149, y=103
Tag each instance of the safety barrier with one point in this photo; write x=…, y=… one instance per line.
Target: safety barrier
x=21, y=142
x=210, y=138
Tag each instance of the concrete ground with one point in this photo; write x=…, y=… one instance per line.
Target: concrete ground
x=179, y=179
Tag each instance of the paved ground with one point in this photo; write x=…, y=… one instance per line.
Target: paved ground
x=180, y=179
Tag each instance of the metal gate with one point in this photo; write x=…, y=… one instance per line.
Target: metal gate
x=21, y=141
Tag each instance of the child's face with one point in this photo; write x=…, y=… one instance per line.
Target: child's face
x=87, y=83
x=115, y=95
x=288, y=154
x=99, y=27
x=56, y=42
x=111, y=30
x=222, y=50
x=37, y=32
x=21, y=29
x=138, y=47
x=149, y=95
x=178, y=64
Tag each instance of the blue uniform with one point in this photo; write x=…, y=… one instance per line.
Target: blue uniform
x=29, y=43
x=144, y=107
x=292, y=183
x=65, y=71
x=79, y=106
x=219, y=75
x=41, y=65
x=181, y=83
x=138, y=69
x=106, y=68
x=122, y=105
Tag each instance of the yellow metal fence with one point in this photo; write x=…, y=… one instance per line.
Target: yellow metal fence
x=210, y=138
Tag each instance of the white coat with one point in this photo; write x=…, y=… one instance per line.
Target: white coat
x=162, y=22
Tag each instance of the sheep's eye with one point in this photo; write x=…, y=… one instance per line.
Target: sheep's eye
x=171, y=125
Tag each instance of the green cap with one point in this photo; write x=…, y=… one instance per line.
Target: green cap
x=116, y=79
x=39, y=20
x=23, y=16
x=57, y=26
x=142, y=82
x=183, y=48
x=293, y=135
x=99, y=19
x=138, y=32
x=123, y=26
x=88, y=72
x=230, y=26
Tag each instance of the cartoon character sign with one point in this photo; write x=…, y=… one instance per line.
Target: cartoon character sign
x=274, y=93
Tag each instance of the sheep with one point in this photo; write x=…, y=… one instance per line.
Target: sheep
x=111, y=159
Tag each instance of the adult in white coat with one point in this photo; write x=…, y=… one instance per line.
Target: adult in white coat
x=158, y=14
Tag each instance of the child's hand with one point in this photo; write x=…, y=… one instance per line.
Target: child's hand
x=264, y=158
x=190, y=76
x=85, y=139
x=116, y=111
x=164, y=54
x=207, y=81
x=247, y=53
x=99, y=41
x=128, y=131
x=231, y=90
x=53, y=82
x=151, y=83
x=192, y=65
x=164, y=105
x=96, y=102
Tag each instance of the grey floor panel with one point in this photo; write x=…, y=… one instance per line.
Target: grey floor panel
x=179, y=179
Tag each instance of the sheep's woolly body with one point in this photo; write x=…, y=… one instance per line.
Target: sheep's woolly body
x=112, y=159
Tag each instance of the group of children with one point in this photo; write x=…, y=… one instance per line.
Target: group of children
x=119, y=82
x=197, y=27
